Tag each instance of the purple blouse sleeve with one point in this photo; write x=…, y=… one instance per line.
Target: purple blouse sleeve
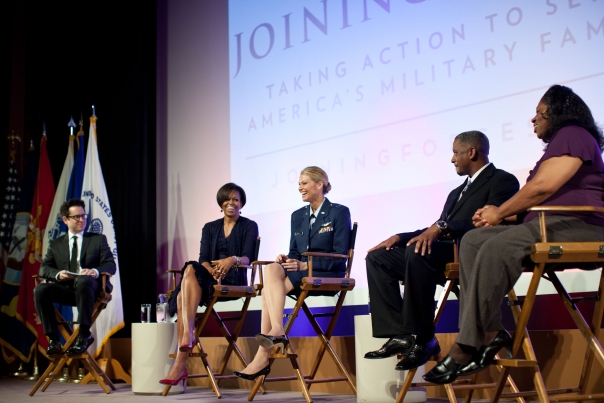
x=574, y=141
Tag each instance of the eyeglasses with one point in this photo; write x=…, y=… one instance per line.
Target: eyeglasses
x=78, y=217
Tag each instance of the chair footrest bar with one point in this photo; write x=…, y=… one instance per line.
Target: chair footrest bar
x=475, y=386
x=324, y=380
x=516, y=363
x=592, y=298
x=596, y=397
x=230, y=318
x=283, y=356
x=322, y=315
x=549, y=392
x=78, y=357
x=216, y=376
x=459, y=382
x=204, y=355
x=284, y=378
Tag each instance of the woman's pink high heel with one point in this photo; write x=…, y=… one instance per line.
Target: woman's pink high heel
x=185, y=348
x=174, y=382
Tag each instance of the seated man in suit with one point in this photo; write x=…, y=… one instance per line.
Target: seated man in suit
x=86, y=255
x=419, y=259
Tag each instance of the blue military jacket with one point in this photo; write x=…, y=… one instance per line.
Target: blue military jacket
x=329, y=234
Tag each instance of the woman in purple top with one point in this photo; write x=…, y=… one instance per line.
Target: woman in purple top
x=492, y=258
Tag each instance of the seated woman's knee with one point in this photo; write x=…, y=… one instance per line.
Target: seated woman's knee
x=273, y=269
x=189, y=270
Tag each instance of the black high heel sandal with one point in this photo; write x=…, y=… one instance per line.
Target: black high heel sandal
x=269, y=342
x=252, y=377
x=483, y=358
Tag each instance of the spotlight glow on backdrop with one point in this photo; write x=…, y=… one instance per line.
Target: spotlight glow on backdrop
x=373, y=91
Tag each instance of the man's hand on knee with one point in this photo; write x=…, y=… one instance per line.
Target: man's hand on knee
x=387, y=244
x=425, y=239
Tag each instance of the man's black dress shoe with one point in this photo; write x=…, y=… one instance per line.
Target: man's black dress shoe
x=483, y=358
x=54, y=348
x=393, y=347
x=80, y=345
x=444, y=372
x=419, y=355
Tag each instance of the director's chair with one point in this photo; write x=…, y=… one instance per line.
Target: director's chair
x=549, y=257
x=451, y=285
x=58, y=361
x=316, y=286
x=223, y=293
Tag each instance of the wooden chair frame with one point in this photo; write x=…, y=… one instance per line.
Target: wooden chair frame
x=58, y=361
x=544, y=254
x=315, y=286
x=452, y=277
x=223, y=292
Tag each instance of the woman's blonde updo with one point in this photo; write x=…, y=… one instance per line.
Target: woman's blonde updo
x=316, y=174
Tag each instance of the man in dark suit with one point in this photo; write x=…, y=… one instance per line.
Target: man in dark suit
x=419, y=258
x=74, y=263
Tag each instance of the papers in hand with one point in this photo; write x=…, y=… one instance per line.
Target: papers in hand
x=73, y=274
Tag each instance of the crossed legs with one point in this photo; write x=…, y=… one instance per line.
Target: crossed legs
x=276, y=287
x=187, y=301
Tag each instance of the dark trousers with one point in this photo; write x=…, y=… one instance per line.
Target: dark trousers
x=80, y=292
x=392, y=315
x=492, y=260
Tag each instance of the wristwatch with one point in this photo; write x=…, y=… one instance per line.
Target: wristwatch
x=442, y=226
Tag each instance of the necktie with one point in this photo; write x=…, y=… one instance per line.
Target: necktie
x=465, y=188
x=73, y=263
x=312, y=220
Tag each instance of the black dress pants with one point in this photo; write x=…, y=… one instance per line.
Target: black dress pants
x=80, y=292
x=392, y=315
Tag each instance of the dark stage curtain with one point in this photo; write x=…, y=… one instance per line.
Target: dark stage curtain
x=73, y=55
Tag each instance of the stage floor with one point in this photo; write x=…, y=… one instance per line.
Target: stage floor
x=16, y=390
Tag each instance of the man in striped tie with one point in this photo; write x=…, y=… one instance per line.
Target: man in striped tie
x=419, y=259
x=72, y=266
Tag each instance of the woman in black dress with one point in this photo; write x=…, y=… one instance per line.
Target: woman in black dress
x=228, y=241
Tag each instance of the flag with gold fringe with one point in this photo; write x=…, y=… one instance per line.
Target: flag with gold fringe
x=100, y=221
x=40, y=210
x=55, y=226
x=16, y=340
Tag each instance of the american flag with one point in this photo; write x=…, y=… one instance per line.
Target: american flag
x=10, y=203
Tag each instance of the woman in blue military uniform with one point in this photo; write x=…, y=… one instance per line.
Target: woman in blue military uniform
x=321, y=226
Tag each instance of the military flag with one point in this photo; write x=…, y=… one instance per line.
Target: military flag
x=40, y=210
x=15, y=338
x=9, y=204
x=100, y=221
x=55, y=226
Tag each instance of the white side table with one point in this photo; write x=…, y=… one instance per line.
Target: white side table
x=377, y=380
x=151, y=344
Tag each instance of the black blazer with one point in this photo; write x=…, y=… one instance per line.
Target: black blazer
x=95, y=254
x=493, y=186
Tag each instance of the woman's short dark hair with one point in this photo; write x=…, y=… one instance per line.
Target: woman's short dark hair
x=225, y=192
x=71, y=203
x=565, y=108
